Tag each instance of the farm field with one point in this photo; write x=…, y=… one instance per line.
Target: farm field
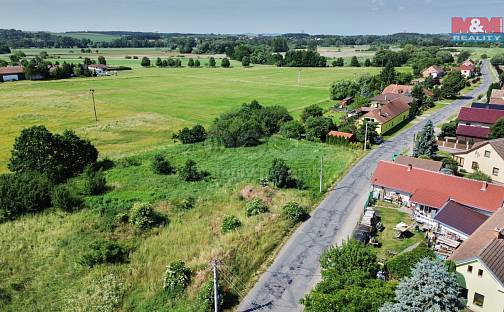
x=140, y=109
x=96, y=37
x=51, y=243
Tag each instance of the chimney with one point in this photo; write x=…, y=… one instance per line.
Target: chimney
x=484, y=186
x=410, y=167
x=499, y=233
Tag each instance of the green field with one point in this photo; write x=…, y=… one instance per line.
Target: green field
x=48, y=278
x=95, y=37
x=140, y=109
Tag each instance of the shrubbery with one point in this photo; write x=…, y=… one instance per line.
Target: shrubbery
x=94, y=182
x=63, y=198
x=104, y=251
x=194, y=135
x=230, y=223
x=317, y=128
x=255, y=206
x=280, y=174
x=400, y=266
x=23, y=193
x=206, y=297
x=142, y=216
x=248, y=125
x=294, y=212
x=176, y=278
x=293, y=130
x=184, y=203
x=160, y=165
x=190, y=172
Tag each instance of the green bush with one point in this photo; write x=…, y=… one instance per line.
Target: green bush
x=23, y=193
x=400, y=266
x=206, y=297
x=280, y=174
x=160, y=165
x=94, y=181
x=294, y=212
x=255, y=206
x=128, y=162
x=176, y=278
x=189, y=136
x=230, y=223
x=63, y=198
x=142, y=216
x=190, y=172
x=104, y=251
x=184, y=203
x=293, y=130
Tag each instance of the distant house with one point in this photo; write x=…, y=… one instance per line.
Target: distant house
x=467, y=70
x=480, y=265
x=346, y=101
x=98, y=69
x=403, y=89
x=426, y=164
x=474, y=123
x=434, y=71
x=485, y=156
x=12, y=73
x=497, y=97
x=425, y=192
x=345, y=135
x=387, y=110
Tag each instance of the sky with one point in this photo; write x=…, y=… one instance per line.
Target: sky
x=348, y=17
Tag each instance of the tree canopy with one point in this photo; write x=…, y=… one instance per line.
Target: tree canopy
x=497, y=129
x=426, y=142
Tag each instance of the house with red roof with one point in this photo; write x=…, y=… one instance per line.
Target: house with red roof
x=467, y=69
x=434, y=71
x=387, y=110
x=474, y=123
x=11, y=73
x=425, y=192
x=403, y=89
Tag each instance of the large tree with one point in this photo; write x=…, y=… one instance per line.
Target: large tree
x=388, y=75
x=497, y=129
x=452, y=84
x=59, y=156
x=431, y=288
x=426, y=142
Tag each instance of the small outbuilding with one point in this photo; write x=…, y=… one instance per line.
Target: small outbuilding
x=12, y=73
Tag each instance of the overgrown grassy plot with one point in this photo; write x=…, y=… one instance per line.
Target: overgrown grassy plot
x=40, y=271
x=140, y=109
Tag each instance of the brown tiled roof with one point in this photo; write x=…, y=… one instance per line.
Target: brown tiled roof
x=473, y=131
x=497, y=97
x=386, y=98
x=340, y=134
x=388, y=111
x=435, y=68
x=11, y=70
x=460, y=217
x=484, y=245
x=483, y=115
x=426, y=164
x=397, y=89
x=497, y=144
x=465, y=191
x=466, y=67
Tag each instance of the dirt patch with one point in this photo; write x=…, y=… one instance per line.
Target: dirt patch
x=252, y=191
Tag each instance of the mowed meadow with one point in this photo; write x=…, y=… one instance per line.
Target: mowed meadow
x=140, y=109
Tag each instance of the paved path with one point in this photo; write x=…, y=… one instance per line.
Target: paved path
x=296, y=269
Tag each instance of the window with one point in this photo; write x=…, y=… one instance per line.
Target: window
x=469, y=269
x=475, y=165
x=478, y=299
x=480, y=272
x=495, y=171
x=487, y=154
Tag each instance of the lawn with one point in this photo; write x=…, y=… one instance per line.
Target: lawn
x=140, y=109
x=48, y=278
x=390, y=217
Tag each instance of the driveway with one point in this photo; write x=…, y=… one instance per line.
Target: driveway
x=296, y=268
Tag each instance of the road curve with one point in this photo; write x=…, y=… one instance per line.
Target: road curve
x=296, y=268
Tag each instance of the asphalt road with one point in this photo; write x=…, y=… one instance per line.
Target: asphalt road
x=296, y=269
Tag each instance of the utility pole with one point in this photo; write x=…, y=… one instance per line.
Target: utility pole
x=215, y=285
x=299, y=77
x=321, y=171
x=365, y=137
x=94, y=105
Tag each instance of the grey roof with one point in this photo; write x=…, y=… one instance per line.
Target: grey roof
x=460, y=217
x=493, y=257
x=426, y=164
x=497, y=144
